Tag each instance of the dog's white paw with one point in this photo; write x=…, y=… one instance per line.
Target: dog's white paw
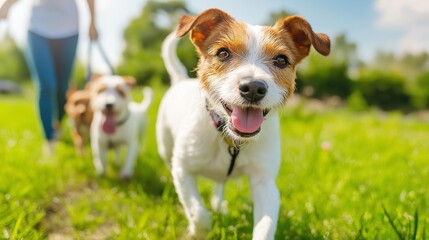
x=263, y=229
x=200, y=224
x=125, y=176
x=219, y=205
x=100, y=172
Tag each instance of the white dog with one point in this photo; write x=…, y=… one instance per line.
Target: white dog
x=117, y=121
x=245, y=74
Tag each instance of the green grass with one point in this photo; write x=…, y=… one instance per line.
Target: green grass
x=343, y=176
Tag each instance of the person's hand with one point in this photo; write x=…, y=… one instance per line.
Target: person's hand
x=4, y=9
x=3, y=13
x=93, y=34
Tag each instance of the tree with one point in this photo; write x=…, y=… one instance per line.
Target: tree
x=12, y=61
x=386, y=90
x=275, y=16
x=421, y=91
x=412, y=68
x=408, y=65
x=328, y=76
x=144, y=36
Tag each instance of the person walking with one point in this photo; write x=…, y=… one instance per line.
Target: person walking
x=52, y=41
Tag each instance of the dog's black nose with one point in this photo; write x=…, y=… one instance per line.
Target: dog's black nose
x=109, y=106
x=253, y=91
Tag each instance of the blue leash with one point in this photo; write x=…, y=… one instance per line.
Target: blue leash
x=103, y=55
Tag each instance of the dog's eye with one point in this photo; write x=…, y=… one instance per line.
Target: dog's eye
x=120, y=91
x=100, y=90
x=223, y=54
x=281, y=61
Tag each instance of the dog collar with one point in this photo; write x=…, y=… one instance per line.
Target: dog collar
x=220, y=123
x=122, y=121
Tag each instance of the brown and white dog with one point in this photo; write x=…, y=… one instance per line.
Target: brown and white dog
x=245, y=74
x=117, y=121
x=79, y=112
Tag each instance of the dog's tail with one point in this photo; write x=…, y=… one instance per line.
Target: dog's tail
x=174, y=67
x=147, y=98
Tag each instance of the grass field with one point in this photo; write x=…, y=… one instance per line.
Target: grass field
x=343, y=176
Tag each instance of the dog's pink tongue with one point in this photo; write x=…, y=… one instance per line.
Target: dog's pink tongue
x=246, y=120
x=109, y=124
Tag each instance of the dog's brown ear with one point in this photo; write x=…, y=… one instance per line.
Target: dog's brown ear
x=95, y=76
x=303, y=36
x=130, y=81
x=201, y=26
x=72, y=89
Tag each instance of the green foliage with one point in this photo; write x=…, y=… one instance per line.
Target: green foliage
x=188, y=56
x=409, y=65
x=413, y=68
x=328, y=76
x=389, y=82
x=78, y=77
x=144, y=36
x=356, y=102
x=410, y=229
x=12, y=61
x=385, y=90
x=421, y=91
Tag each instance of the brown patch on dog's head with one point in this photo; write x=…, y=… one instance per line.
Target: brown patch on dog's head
x=92, y=82
x=97, y=88
x=203, y=25
x=211, y=31
x=98, y=85
x=276, y=44
x=121, y=91
x=130, y=81
x=78, y=107
x=298, y=32
x=96, y=76
x=71, y=90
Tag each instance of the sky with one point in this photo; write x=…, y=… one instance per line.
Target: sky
x=389, y=25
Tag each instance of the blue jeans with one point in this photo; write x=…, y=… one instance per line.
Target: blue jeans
x=51, y=63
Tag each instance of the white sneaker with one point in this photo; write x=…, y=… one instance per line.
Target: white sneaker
x=49, y=147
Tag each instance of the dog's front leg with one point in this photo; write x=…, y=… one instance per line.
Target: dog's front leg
x=117, y=150
x=219, y=205
x=99, y=155
x=78, y=140
x=186, y=187
x=266, y=200
x=127, y=170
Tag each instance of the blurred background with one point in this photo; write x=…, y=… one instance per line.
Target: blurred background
x=379, y=56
